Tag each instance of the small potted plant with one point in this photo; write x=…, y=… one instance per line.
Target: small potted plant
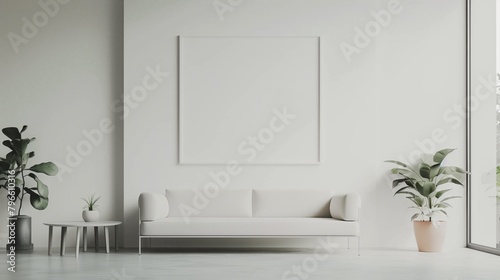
x=90, y=213
x=425, y=185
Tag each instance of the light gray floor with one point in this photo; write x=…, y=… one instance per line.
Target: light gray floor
x=458, y=264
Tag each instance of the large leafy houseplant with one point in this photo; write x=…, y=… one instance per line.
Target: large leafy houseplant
x=27, y=181
x=425, y=184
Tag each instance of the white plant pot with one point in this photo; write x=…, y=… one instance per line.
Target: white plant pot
x=90, y=216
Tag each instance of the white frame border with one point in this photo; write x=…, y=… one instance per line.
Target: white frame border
x=180, y=103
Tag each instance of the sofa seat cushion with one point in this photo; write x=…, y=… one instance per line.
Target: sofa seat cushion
x=248, y=227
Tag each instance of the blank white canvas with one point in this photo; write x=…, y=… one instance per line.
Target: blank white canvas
x=230, y=89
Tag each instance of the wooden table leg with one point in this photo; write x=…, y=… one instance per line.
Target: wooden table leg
x=96, y=238
x=106, y=235
x=116, y=238
x=63, y=240
x=85, y=239
x=77, y=241
x=50, y=239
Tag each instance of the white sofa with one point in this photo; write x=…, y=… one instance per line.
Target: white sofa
x=248, y=213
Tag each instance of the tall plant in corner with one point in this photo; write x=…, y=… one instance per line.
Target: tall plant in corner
x=426, y=185
x=27, y=182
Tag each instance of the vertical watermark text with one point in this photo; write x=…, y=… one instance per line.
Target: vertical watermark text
x=11, y=210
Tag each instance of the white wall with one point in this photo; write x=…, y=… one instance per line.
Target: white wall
x=61, y=82
x=400, y=88
x=394, y=95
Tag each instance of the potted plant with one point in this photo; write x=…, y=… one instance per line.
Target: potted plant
x=14, y=175
x=90, y=213
x=426, y=186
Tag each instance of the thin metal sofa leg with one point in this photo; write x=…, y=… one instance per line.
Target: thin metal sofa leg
x=140, y=243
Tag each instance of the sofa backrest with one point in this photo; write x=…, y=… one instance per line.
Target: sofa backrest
x=248, y=203
x=225, y=203
x=292, y=203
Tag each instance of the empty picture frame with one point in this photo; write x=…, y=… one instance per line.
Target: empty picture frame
x=253, y=100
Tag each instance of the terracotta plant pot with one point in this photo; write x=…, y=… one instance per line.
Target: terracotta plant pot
x=429, y=235
x=90, y=216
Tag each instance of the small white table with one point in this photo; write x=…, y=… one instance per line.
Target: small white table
x=79, y=225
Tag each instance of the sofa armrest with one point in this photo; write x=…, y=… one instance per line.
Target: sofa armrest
x=345, y=207
x=152, y=206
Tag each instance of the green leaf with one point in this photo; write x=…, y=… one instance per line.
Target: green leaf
x=459, y=176
x=440, y=193
x=414, y=216
x=426, y=188
x=427, y=159
x=11, y=157
x=412, y=199
x=410, y=183
x=4, y=166
x=429, y=188
x=419, y=188
x=419, y=201
x=8, y=144
x=425, y=170
x=408, y=174
x=397, y=162
x=439, y=156
x=407, y=171
x=47, y=168
x=402, y=190
x=21, y=145
x=448, y=180
x=396, y=182
x=43, y=190
x=12, y=132
x=38, y=202
x=449, y=198
x=399, y=171
x=409, y=193
x=434, y=171
x=451, y=170
x=30, y=191
x=443, y=205
x=18, y=147
x=24, y=128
